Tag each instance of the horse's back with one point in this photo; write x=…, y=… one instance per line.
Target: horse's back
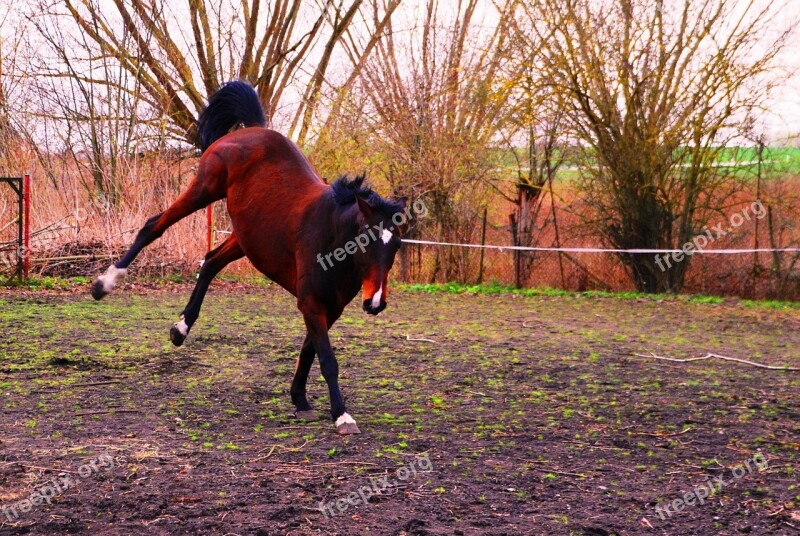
x=270, y=186
x=267, y=151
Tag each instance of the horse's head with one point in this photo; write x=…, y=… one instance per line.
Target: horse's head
x=380, y=225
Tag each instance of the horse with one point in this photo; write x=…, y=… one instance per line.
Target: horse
x=321, y=242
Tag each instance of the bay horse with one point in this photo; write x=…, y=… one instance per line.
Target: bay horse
x=284, y=218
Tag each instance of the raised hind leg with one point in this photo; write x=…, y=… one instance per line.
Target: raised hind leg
x=215, y=261
x=207, y=187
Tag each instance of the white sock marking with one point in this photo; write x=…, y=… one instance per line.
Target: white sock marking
x=376, y=298
x=345, y=419
x=386, y=236
x=110, y=278
x=182, y=327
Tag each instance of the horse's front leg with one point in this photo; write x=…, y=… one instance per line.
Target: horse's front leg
x=304, y=361
x=317, y=324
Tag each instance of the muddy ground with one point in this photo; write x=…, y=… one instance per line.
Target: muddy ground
x=481, y=414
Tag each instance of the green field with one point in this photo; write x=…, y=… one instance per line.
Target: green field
x=741, y=162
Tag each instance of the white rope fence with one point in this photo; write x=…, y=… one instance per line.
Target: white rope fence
x=593, y=250
x=602, y=250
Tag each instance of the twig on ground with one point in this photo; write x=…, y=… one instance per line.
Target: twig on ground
x=562, y=473
x=50, y=469
x=85, y=413
x=688, y=428
x=271, y=450
x=408, y=338
x=341, y=462
x=723, y=357
x=555, y=472
x=273, y=447
x=92, y=384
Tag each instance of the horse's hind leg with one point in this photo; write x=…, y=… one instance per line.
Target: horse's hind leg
x=207, y=187
x=215, y=261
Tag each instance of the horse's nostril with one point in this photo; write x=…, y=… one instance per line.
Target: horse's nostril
x=374, y=310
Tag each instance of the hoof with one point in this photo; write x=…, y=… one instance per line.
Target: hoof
x=106, y=282
x=306, y=415
x=98, y=290
x=176, y=336
x=348, y=428
x=178, y=332
x=346, y=425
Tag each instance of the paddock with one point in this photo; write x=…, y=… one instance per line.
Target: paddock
x=480, y=413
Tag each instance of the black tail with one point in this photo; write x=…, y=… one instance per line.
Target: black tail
x=234, y=103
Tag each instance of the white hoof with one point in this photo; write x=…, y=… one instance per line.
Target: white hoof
x=105, y=283
x=346, y=425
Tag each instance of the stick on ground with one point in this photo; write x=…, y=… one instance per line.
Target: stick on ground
x=723, y=357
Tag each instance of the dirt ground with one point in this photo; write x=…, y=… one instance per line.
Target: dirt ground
x=481, y=414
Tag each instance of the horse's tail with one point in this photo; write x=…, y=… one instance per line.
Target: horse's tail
x=234, y=103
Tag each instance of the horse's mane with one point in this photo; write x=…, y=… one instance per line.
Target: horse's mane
x=345, y=191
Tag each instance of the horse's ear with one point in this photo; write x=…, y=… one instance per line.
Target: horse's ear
x=363, y=205
x=402, y=201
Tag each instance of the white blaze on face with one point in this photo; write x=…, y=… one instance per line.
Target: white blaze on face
x=386, y=236
x=110, y=278
x=376, y=298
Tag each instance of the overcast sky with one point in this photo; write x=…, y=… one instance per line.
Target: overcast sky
x=782, y=118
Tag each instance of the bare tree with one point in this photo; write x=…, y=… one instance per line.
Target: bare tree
x=434, y=98
x=654, y=89
x=11, y=44
x=178, y=53
x=93, y=110
x=538, y=144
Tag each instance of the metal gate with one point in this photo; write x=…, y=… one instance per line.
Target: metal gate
x=20, y=246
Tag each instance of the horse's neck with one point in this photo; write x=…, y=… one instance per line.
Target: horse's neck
x=344, y=279
x=345, y=225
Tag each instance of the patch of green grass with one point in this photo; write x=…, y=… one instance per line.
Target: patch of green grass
x=43, y=283
x=705, y=299
x=497, y=288
x=771, y=304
